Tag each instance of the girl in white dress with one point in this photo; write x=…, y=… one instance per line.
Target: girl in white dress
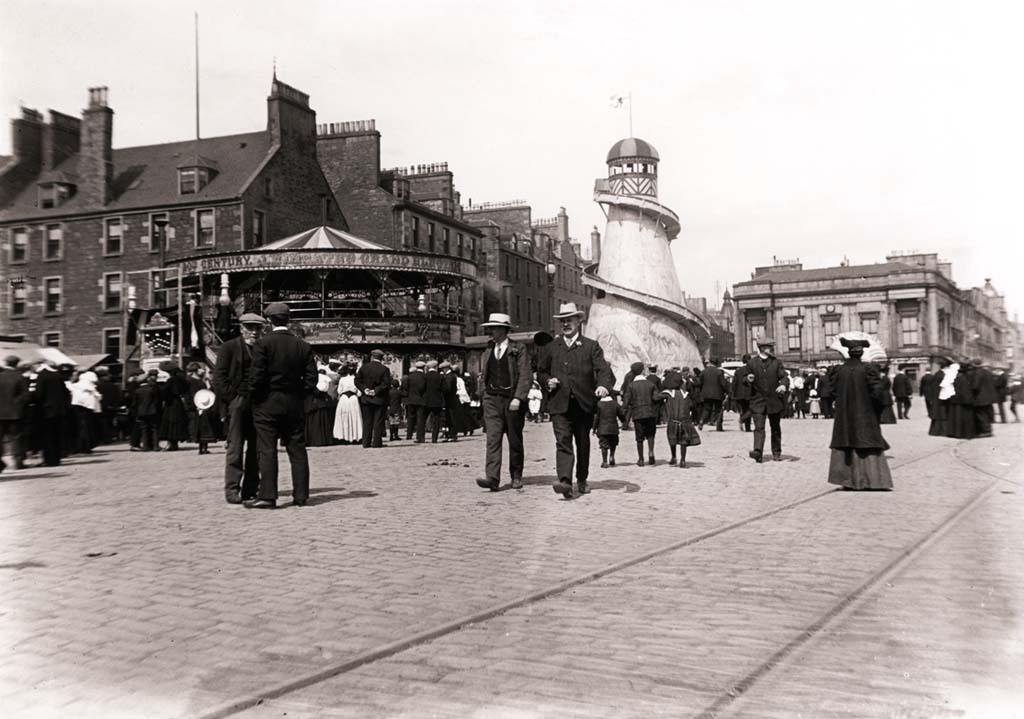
x=348, y=419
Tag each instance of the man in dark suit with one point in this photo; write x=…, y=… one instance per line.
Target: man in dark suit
x=13, y=399
x=146, y=405
x=902, y=390
x=826, y=394
x=984, y=384
x=433, y=404
x=412, y=388
x=741, y=394
x=233, y=383
x=576, y=373
x=53, y=402
x=768, y=384
x=505, y=380
x=283, y=375
x=373, y=379
x=713, y=388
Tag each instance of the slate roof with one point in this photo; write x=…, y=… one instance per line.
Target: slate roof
x=851, y=272
x=147, y=176
x=632, y=147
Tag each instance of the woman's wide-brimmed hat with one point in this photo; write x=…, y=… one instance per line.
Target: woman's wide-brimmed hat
x=204, y=399
x=568, y=309
x=498, y=319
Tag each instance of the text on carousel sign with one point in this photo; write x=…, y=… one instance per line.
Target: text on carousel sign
x=327, y=259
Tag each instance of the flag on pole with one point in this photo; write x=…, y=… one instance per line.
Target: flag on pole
x=618, y=101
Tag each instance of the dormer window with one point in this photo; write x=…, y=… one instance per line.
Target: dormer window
x=54, y=194
x=194, y=174
x=192, y=179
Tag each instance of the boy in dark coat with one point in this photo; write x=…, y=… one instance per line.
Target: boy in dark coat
x=394, y=410
x=606, y=426
x=640, y=401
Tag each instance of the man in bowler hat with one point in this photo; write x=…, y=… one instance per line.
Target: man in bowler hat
x=283, y=375
x=374, y=380
x=506, y=380
x=768, y=383
x=576, y=374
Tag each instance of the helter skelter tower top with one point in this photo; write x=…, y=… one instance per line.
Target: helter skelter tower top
x=633, y=168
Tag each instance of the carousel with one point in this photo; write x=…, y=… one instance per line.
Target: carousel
x=347, y=295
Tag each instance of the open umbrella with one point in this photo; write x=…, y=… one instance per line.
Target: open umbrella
x=874, y=352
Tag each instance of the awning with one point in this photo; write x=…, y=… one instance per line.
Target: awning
x=85, y=362
x=30, y=353
x=323, y=238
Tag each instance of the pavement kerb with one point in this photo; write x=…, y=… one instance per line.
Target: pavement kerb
x=235, y=706
x=851, y=600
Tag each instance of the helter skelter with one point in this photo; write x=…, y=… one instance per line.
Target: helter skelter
x=639, y=314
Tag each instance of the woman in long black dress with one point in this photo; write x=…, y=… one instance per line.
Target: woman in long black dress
x=320, y=414
x=202, y=424
x=886, y=415
x=961, y=424
x=174, y=427
x=858, y=448
x=940, y=406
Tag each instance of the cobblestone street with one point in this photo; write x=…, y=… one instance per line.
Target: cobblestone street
x=729, y=589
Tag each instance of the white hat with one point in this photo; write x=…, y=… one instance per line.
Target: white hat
x=498, y=319
x=204, y=399
x=568, y=309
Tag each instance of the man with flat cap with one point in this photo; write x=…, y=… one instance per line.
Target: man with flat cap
x=768, y=384
x=576, y=374
x=283, y=375
x=232, y=380
x=412, y=387
x=373, y=380
x=505, y=380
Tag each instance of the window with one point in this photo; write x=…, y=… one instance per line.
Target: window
x=192, y=179
x=793, y=334
x=519, y=264
x=416, y=232
x=430, y=236
x=831, y=326
x=519, y=308
x=112, y=236
x=156, y=229
x=869, y=324
x=529, y=310
x=19, y=245
x=446, y=245
x=53, y=194
x=756, y=333
x=459, y=240
x=111, y=343
x=908, y=330
x=111, y=291
x=205, y=235
x=19, y=299
x=53, y=291
x=53, y=249
x=472, y=249
x=51, y=339
x=258, y=228
x=268, y=187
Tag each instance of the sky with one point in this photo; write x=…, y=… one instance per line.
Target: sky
x=818, y=130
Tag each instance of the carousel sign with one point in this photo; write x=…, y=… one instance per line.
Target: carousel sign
x=328, y=259
x=374, y=332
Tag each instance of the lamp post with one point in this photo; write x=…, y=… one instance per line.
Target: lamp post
x=551, y=269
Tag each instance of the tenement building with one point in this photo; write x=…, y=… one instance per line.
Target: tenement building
x=528, y=267
x=81, y=220
x=910, y=302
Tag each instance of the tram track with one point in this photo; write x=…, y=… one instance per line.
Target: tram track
x=391, y=649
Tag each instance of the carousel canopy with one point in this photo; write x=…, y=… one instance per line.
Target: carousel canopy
x=323, y=238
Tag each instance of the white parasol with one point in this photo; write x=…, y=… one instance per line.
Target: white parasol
x=874, y=352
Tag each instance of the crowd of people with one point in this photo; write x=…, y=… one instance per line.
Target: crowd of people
x=268, y=389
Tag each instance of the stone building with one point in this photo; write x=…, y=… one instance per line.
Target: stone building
x=414, y=208
x=528, y=267
x=910, y=302
x=81, y=220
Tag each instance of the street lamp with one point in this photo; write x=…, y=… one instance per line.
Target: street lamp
x=551, y=269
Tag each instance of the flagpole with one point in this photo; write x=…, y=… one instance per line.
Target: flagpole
x=630, y=113
x=197, y=73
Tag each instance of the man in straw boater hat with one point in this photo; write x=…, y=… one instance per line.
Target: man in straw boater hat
x=232, y=380
x=768, y=383
x=283, y=375
x=576, y=374
x=506, y=379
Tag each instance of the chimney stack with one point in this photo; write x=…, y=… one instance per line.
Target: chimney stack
x=61, y=139
x=290, y=119
x=595, y=245
x=27, y=139
x=96, y=164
